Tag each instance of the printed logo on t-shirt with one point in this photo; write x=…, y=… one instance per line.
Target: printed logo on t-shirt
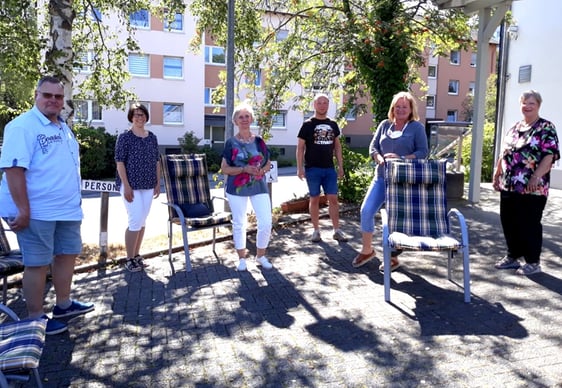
x=45, y=141
x=323, y=134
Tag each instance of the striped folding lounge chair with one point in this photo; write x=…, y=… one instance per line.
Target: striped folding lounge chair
x=21, y=346
x=416, y=216
x=10, y=261
x=190, y=203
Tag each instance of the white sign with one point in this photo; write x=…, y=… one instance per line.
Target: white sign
x=271, y=175
x=107, y=186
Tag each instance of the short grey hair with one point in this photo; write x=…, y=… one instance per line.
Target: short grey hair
x=240, y=107
x=531, y=93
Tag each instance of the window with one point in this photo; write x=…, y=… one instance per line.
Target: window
x=308, y=114
x=351, y=114
x=87, y=111
x=140, y=19
x=281, y=35
x=451, y=115
x=430, y=101
x=473, y=58
x=525, y=73
x=215, y=134
x=453, y=87
x=138, y=65
x=471, y=87
x=83, y=62
x=176, y=24
x=96, y=14
x=215, y=55
x=432, y=71
x=279, y=120
x=173, y=114
x=173, y=67
x=455, y=58
x=209, y=98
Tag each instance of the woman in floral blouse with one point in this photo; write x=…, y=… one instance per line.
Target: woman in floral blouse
x=522, y=176
x=245, y=160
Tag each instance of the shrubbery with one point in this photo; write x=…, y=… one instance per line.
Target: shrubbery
x=97, y=150
x=358, y=173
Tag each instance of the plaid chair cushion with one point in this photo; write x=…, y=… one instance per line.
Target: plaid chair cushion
x=416, y=199
x=4, y=244
x=21, y=344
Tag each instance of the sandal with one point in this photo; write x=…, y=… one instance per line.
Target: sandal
x=394, y=264
x=363, y=258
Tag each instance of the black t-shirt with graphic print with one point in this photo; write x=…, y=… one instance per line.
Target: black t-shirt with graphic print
x=319, y=136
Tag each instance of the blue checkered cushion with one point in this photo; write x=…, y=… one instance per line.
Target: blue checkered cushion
x=21, y=344
x=416, y=204
x=187, y=186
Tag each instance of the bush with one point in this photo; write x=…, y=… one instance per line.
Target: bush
x=97, y=149
x=189, y=144
x=487, y=153
x=358, y=173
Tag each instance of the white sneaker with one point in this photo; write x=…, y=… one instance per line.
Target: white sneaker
x=241, y=265
x=264, y=263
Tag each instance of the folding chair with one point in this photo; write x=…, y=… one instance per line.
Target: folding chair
x=416, y=217
x=190, y=203
x=10, y=261
x=21, y=346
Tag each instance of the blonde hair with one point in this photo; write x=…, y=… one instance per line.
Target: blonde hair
x=413, y=105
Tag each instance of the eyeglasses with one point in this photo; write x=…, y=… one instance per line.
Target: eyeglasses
x=138, y=115
x=48, y=96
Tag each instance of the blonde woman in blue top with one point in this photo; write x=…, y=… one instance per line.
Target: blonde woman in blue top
x=399, y=137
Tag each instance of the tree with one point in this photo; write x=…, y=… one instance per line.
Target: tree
x=64, y=32
x=352, y=49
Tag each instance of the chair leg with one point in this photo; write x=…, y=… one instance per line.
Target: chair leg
x=449, y=263
x=37, y=378
x=214, y=243
x=186, y=247
x=466, y=274
x=170, y=238
x=386, y=261
x=5, y=289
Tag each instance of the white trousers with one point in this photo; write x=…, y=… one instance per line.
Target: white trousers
x=262, y=208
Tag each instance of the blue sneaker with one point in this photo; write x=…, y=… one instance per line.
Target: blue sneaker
x=76, y=308
x=54, y=326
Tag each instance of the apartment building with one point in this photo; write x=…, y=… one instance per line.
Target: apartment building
x=177, y=86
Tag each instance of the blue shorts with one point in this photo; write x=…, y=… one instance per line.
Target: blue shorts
x=316, y=177
x=42, y=240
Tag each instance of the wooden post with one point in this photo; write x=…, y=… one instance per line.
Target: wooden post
x=104, y=211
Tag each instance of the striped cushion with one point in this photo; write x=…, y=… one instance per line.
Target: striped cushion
x=21, y=344
x=416, y=199
x=10, y=265
x=4, y=243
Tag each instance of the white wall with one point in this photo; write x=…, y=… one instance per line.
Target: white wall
x=537, y=44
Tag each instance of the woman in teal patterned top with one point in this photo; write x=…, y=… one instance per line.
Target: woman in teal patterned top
x=245, y=160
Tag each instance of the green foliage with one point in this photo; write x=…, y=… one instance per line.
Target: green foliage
x=487, y=153
x=358, y=173
x=376, y=42
x=97, y=150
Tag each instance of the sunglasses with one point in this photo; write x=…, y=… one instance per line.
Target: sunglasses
x=48, y=96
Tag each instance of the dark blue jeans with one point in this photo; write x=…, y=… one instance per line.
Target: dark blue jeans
x=521, y=216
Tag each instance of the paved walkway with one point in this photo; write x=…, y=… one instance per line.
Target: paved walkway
x=315, y=321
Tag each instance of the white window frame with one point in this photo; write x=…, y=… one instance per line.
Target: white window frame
x=279, y=120
x=210, y=55
x=473, y=59
x=208, y=98
x=172, y=26
x=429, y=68
x=90, y=106
x=139, y=20
x=172, y=114
x=455, y=86
x=172, y=66
x=351, y=114
x=454, y=116
x=85, y=58
x=455, y=57
x=139, y=57
x=430, y=101
x=471, y=88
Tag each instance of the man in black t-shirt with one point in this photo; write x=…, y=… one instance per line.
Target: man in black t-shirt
x=318, y=143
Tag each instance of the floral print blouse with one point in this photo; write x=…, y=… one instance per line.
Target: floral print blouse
x=523, y=150
x=240, y=154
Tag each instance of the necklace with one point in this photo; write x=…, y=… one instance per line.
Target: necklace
x=245, y=141
x=523, y=126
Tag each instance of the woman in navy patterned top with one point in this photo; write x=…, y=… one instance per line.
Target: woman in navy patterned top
x=138, y=176
x=245, y=160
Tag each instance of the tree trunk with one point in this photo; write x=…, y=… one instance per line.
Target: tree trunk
x=60, y=56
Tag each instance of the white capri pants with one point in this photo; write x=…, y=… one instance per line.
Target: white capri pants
x=137, y=211
x=239, y=207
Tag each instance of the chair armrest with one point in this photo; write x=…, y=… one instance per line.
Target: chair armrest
x=462, y=223
x=178, y=210
x=217, y=197
x=8, y=311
